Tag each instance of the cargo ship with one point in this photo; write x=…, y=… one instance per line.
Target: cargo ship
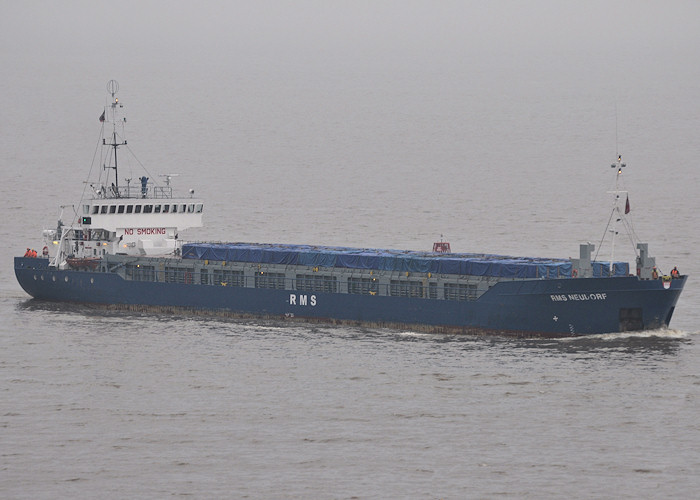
x=120, y=248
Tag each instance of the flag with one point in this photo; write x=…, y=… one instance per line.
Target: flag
x=627, y=205
x=102, y=116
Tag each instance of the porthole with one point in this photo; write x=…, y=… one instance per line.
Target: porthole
x=42, y=277
x=35, y=277
x=53, y=278
x=65, y=279
x=92, y=280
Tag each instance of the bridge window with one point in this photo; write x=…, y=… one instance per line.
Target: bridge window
x=137, y=209
x=103, y=209
x=166, y=209
x=95, y=209
x=120, y=209
x=156, y=209
x=129, y=209
x=199, y=208
x=147, y=209
x=112, y=209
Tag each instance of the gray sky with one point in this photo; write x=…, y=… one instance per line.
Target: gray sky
x=345, y=28
x=363, y=88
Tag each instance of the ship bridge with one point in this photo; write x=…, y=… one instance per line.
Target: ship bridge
x=121, y=216
x=118, y=214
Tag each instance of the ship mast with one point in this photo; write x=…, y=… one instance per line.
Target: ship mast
x=113, y=88
x=619, y=166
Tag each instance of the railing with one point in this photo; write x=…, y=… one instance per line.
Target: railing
x=350, y=285
x=135, y=192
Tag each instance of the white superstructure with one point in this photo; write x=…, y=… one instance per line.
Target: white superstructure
x=141, y=220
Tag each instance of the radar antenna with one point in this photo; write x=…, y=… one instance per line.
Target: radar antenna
x=113, y=87
x=168, y=178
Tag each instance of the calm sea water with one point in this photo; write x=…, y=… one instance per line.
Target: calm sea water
x=502, y=149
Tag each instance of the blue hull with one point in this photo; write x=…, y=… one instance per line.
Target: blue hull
x=542, y=307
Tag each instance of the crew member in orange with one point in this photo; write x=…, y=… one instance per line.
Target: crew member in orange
x=675, y=273
x=28, y=253
x=654, y=274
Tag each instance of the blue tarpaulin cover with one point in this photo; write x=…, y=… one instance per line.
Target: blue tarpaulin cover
x=393, y=260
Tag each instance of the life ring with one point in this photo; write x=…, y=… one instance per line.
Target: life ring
x=45, y=251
